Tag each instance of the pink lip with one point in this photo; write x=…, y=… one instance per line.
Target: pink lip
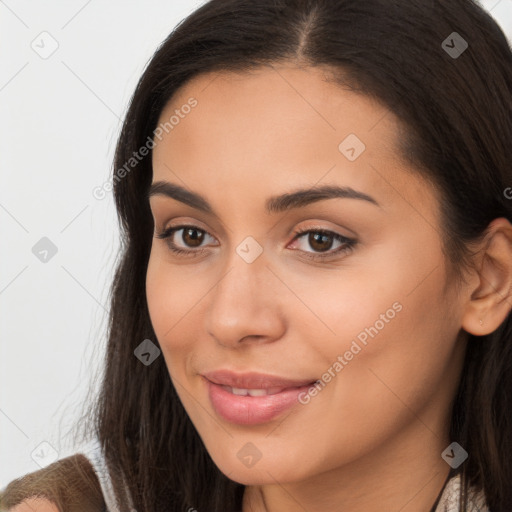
x=251, y=410
x=253, y=380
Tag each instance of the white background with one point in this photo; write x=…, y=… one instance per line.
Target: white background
x=60, y=118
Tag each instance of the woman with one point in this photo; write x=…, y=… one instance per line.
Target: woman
x=312, y=308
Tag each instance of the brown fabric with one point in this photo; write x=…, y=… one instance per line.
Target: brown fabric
x=70, y=483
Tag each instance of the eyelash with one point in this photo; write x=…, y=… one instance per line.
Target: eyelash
x=349, y=243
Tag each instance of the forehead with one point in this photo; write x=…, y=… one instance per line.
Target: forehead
x=278, y=124
x=270, y=97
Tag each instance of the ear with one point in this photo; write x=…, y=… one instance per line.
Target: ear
x=491, y=294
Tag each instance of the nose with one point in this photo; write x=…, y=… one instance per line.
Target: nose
x=244, y=306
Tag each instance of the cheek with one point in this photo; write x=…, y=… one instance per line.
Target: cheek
x=393, y=328
x=171, y=295
x=397, y=356
x=376, y=295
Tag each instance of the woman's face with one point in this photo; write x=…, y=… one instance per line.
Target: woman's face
x=358, y=303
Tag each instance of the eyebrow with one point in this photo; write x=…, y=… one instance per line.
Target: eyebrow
x=274, y=204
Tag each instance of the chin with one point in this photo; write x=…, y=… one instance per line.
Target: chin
x=266, y=470
x=253, y=476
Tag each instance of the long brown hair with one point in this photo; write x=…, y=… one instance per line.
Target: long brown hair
x=457, y=117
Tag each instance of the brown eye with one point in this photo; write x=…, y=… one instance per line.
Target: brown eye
x=189, y=243
x=192, y=237
x=317, y=244
x=320, y=241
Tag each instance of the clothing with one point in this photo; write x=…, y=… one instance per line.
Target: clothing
x=93, y=452
x=449, y=499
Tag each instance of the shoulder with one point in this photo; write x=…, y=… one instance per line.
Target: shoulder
x=35, y=505
x=68, y=485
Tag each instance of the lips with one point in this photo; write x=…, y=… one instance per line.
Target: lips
x=254, y=381
x=252, y=398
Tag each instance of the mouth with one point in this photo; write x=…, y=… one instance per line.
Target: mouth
x=253, y=392
x=252, y=398
x=253, y=381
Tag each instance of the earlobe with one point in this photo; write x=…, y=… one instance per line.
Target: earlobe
x=491, y=301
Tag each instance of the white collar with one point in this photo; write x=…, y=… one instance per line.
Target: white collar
x=451, y=497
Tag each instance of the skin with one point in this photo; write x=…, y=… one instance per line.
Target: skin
x=35, y=505
x=372, y=439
